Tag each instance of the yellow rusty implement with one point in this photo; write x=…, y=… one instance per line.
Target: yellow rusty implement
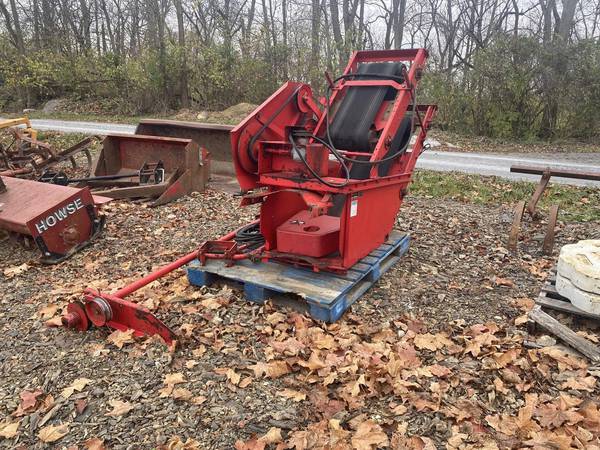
x=28, y=131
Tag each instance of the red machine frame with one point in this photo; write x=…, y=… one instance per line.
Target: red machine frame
x=287, y=186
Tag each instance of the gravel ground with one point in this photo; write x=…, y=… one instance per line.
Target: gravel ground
x=247, y=375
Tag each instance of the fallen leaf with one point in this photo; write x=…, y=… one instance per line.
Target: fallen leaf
x=191, y=363
x=562, y=357
x=80, y=405
x=439, y=370
x=550, y=415
x=481, y=340
x=502, y=423
x=77, y=385
x=290, y=346
x=245, y=382
x=15, y=270
x=48, y=311
x=273, y=436
x=174, y=378
x=251, y=444
x=504, y=282
x=233, y=377
x=431, y=342
x=292, y=395
x=94, y=444
x=368, y=436
x=175, y=443
x=119, y=338
x=198, y=400
x=119, y=408
x=211, y=303
x=29, y=402
x=274, y=369
x=506, y=358
x=52, y=433
x=54, y=322
x=8, y=430
x=580, y=384
x=275, y=318
x=181, y=394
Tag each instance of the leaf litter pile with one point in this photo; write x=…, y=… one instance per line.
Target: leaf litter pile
x=433, y=356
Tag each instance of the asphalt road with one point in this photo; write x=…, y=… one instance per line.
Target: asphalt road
x=474, y=163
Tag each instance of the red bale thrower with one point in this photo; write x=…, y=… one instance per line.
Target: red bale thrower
x=330, y=177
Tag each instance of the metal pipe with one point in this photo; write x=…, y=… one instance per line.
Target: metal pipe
x=556, y=172
x=15, y=172
x=237, y=256
x=130, y=288
x=105, y=177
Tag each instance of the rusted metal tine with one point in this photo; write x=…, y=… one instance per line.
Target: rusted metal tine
x=516, y=225
x=549, y=239
x=539, y=190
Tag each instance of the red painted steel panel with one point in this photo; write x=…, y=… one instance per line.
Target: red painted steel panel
x=25, y=200
x=304, y=235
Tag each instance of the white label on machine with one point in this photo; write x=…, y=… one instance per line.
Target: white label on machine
x=354, y=207
x=59, y=215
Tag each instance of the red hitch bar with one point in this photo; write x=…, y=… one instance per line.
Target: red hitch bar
x=113, y=311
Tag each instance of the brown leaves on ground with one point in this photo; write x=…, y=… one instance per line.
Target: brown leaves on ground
x=431, y=342
x=53, y=433
x=9, y=430
x=170, y=381
x=175, y=443
x=48, y=311
x=273, y=436
x=119, y=338
x=368, y=436
x=119, y=408
x=78, y=385
x=274, y=369
x=29, y=402
x=292, y=395
x=477, y=380
x=504, y=282
x=94, y=444
x=13, y=271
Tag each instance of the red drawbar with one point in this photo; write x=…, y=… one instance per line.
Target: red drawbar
x=309, y=236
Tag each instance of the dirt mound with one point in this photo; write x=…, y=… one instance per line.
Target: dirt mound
x=232, y=115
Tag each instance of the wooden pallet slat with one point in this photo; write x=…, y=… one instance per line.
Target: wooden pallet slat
x=324, y=295
x=564, y=333
x=550, y=298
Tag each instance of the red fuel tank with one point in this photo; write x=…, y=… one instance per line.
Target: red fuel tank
x=304, y=235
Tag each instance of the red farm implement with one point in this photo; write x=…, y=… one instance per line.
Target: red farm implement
x=58, y=219
x=329, y=176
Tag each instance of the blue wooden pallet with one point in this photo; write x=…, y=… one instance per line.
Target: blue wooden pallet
x=323, y=295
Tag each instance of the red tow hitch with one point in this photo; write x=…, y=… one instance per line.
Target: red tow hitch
x=113, y=311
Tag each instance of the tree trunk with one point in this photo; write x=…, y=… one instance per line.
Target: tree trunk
x=314, y=42
x=184, y=88
x=566, y=19
x=337, y=33
x=284, y=32
x=399, y=9
x=17, y=27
